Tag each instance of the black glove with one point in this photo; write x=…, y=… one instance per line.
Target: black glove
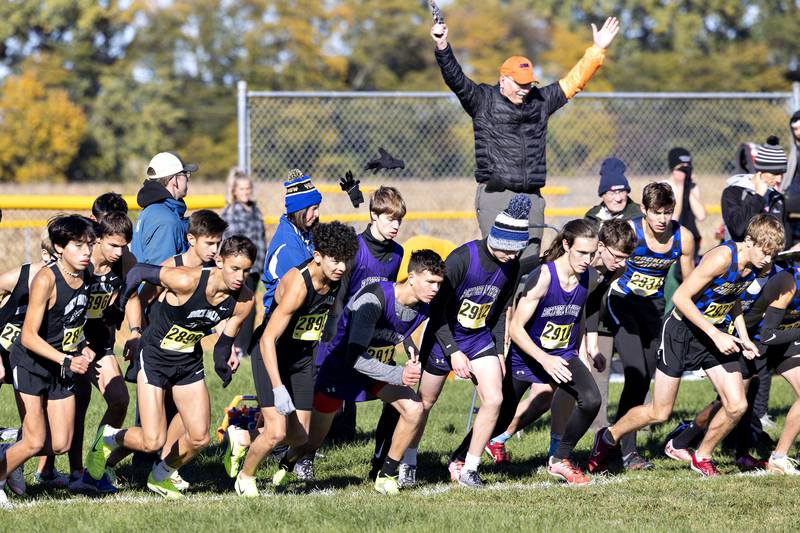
x=350, y=186
x=385, y=161
x=113, y=316
x=223, y=370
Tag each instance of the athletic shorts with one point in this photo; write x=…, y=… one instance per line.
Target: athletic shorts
x=685, y=348
x=297, y=376
x=439, y=364
x=777, y=358
x=337, y=380
x=162, y=373
x=527, y=369
x=52, y=387
x=646, y=314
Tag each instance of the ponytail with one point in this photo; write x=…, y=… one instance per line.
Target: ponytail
x=571, y=231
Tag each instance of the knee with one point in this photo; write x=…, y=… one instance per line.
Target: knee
x=59, y=447
x=153, y=443
x=591, y=401
x=492, y=402
x=659, y=413
x=412, y=411
x=428, y=402
x=736, y=409
x=199, y=442
x=276, y=435
x=32, y=443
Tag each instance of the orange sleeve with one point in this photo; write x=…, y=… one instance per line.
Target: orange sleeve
x=582, y=72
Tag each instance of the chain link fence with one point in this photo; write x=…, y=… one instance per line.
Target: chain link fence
x=326, y=134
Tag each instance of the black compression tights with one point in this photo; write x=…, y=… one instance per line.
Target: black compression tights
x=587, y=398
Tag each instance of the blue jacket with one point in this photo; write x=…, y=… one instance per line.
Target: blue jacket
x=160, y=230
x=288, y=248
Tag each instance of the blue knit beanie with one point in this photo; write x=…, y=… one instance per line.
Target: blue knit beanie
x=300, y=192
x=510, y=230
x=612, y=177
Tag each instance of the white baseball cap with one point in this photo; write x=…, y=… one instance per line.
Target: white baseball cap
x=167, y=164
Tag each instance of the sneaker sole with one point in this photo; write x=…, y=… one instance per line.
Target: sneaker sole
x=165, y=493
x=592, y=454
x=701, y=472
x=477, y=487
x=676, y=457
x=565, y=480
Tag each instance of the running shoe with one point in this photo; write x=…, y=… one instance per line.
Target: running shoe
x=165, y=488
x=455, y=469
x=234, y=453
x=16, y=479
x=246, y=486
x=601, y=452
x=471, y=479
x=99, y=452
x=497, y=451
x=679, y=454
x=783, y=465
x=634, y=461
x=767, y=423
x=387, y=484
x=304, y=469
x=180, y=483
x=82, y=484
x=747, y=462
x=281, y=477
x=407, y=477
x=56, y=480
x=705, y=467
x=567, y=471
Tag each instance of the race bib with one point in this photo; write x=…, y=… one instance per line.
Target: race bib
x=180, y=339
x=97, y=304
x=555, y=336
x=644, y=285
x=72, y=339
x=716, y=313
x=472, y=315
x=384, y=354
x=309, y=327
x=9, y=336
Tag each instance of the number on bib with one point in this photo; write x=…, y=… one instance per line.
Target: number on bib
x=472, y=315
x=97, y=304
x=555, y=336
x=644, y=285
x=9, y=336
x=384, y=354
x=716, y=313
x=309, y=327
x=180, y=339
x=72, y=339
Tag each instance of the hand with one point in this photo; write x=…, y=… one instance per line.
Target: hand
x=413, y=356
x=131, y=346
x=350, y=186
x=113, y=316
x=283, y=402
x=439, y=35
x=727, y=344
x=88, y=353
x=557, y=368
x=384, y=161
x=749, y=349
x=606, y=34
x=461, y=365
x=233, y=360
x=79, y=364
x=597, y=359
x=223, y=369
x=411, y=374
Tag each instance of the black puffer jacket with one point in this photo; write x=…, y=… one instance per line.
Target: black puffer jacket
x=510, y=140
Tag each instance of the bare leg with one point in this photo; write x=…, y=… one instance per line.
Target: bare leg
x=657, y=411
x=730, y=387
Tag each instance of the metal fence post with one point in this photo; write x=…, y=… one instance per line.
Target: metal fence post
x=795, y=96
x=241, y=124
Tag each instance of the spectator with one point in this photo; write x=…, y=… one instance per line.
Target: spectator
x=793, y=177
x=244, y=218
x=688, y=207
x=160, y=230
x=291, y=245
x=614, y=191
x=747, y=195
x=509, y=120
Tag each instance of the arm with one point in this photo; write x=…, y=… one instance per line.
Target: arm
x=446, y=306
x=687, y=252
x=8, y=281
x=737, y=211
x=290, y=295
x=466, y=90
x=592, y=59
x=776, y=296
x=225, y=359
x=696, y=204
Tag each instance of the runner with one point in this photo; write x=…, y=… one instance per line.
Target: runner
x=51, y=347
x=692, y=339
x=283, y=364
x=480, y=278
x=636, y=301
x=196, y=300
x=361, y=367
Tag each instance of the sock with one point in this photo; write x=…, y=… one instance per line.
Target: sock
x=110, y=437
x=685, y=438
x=162, y=471
x=700, y=458
x=608, y=439
x=472, y=462
x=776, y=455
x=555, y=440
x=501, y=438
x=410, y=457
x=389, y=468
x=628, y=444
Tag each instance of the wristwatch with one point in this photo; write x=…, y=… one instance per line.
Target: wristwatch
x=65, y=364
x=136, y=329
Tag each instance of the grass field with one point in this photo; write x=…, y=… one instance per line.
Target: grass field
x=521, y=496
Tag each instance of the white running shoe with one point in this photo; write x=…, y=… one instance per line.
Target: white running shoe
x=783, y=465
x=180, y=483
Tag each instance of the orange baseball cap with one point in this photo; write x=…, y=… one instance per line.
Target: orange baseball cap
x=519, y=68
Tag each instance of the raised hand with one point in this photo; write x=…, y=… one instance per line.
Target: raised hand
x=439, y=35
x=606, y=34
x=350, y=185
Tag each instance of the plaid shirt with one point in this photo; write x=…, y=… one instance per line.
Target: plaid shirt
x=249, y=223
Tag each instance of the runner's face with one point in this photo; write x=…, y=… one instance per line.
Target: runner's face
x=611, y=258
x=112, y=247
x=332, y=268
x=425, y=285
x=504, y=256
x=615, y=201
x=796, y=130
x=658, y=219
x=77, y=254
x=235, y=269
x=581, y=253
x=205, y=247
x=387, y=225
x=243, y=191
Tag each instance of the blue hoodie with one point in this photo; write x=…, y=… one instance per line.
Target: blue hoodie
x=160, y=230
x=288, y=248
